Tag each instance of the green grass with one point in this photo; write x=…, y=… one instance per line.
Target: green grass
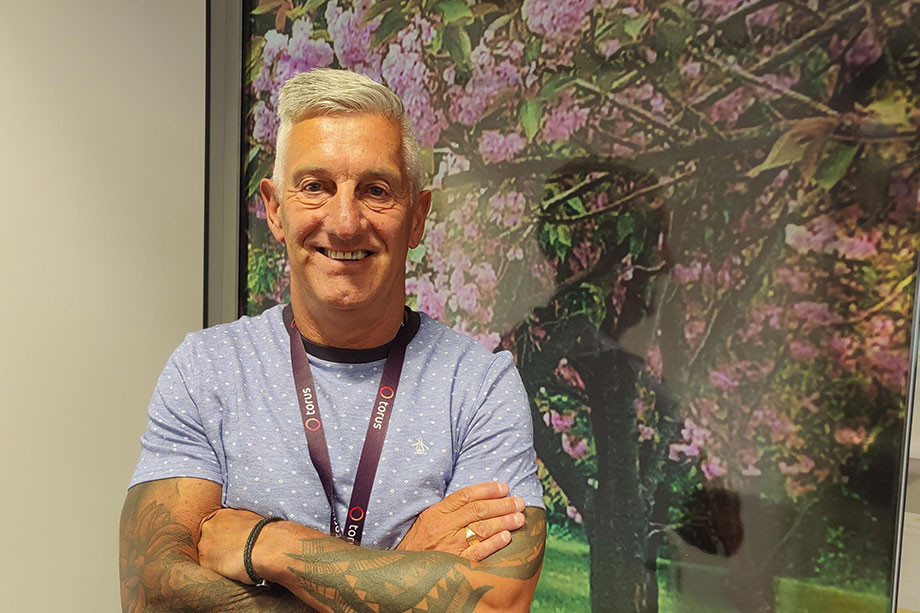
x=564, y=582
x=794, y=596
x=684, y=588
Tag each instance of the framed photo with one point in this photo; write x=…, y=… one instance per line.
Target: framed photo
x=693, y=224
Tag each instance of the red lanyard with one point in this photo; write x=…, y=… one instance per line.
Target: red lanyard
x=373, y=440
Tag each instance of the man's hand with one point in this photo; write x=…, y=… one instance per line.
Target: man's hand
x=223, y=538
x=485, y=507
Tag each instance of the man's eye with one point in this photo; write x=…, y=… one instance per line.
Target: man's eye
x=376, y=191
x=312, y=186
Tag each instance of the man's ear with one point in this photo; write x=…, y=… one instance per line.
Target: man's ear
x=419, y=214
x=272, y=200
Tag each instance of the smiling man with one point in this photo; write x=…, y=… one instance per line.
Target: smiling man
x=342, y=452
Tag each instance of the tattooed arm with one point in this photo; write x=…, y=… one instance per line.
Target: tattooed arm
x=332, y=575
x=159, y=555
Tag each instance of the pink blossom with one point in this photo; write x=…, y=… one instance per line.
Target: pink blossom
x=573, y=513
x=892, y=364
x=693, y=332
x=751, y=471
x=352, y=40
x=653, y=361
x=675, y=449
x=567, y=373
x=555, y=19
x=563, y=120
x=264, y=125
x=485, y=276
x=729, y=108
x=903, y=191
x=796, y=488
x=815, y=314
x=498, y=147
x=855, y=248
x=690, y=69
x=507, y=208
x=818, y=238
x=798, y=281
x=489, y=340
x=609, y=47
x=560, y=423
x=407, y=75
x=694, y=434
x=722, y=380
x=468, y=297
x=574, y=446
x=866, y=50
x=306, y=52
x=841, y=348
x=767, y=17
x=714, y=467
x=803, y=465
x=802, y=350
x=430, y=299
x=489, y=78
x=646, y=433
x=586, y=255
x=688, y=274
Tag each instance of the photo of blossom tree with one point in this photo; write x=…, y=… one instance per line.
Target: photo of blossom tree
x=694, y=224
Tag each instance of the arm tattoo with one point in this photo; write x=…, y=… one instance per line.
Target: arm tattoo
x=159, y=569
x=522, y=558
x=348, y=579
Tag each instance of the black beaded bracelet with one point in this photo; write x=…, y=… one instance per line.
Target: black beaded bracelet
x=247, y=551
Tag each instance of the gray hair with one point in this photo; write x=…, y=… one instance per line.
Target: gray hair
x=329, y=91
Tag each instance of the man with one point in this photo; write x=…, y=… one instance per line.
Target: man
x=395, y=432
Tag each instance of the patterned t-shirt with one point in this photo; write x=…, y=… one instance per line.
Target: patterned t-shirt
x=225, y=409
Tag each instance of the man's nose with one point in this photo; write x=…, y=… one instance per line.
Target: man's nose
x=344, y=218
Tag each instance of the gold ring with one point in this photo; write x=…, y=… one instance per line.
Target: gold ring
x=471, y=537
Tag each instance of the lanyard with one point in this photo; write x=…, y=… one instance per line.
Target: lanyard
x=373, y=440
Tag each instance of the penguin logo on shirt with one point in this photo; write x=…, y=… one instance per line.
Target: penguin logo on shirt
x=420, y=447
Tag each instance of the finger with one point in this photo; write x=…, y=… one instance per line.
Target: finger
x=490, y=527
x=471, y=493
x=484, y=548
x=479, y=510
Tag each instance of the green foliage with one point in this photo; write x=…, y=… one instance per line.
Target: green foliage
x=794, y=596
x=565, y=579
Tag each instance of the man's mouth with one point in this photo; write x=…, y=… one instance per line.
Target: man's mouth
x=344, y=255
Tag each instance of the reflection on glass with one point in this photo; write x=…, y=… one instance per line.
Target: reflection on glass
x=695, y=226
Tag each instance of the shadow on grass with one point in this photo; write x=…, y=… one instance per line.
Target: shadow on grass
x=683, y=588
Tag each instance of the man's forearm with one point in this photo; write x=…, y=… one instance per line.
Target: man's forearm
x=333, y=575
x=159, y=567
x=183, y=585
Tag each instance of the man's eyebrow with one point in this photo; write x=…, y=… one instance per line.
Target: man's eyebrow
x=305, y=171
x=391, y=177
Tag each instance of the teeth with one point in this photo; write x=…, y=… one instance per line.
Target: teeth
x=346, y=255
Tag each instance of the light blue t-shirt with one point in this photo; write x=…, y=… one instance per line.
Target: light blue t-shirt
x=225, y=409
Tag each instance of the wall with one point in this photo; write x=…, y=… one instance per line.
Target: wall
x=102, y=118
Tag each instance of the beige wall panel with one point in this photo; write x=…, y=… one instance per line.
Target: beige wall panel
x=102, y=117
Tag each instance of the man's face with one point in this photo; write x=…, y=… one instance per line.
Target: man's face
x=346, y=216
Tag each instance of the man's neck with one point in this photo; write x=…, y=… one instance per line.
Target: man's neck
x=348, y=329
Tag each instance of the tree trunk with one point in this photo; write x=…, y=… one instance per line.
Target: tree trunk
x=617, y=522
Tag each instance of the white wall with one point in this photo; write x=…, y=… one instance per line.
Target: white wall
x=102, y=164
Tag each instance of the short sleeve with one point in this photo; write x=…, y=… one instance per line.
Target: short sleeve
x=175, y=443
x=497, y=444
